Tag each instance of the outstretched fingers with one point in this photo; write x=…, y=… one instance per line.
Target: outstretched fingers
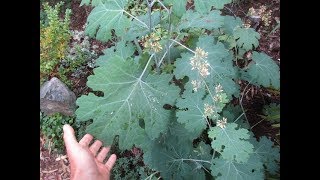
x=103, y=154
x=85, y=141
x=68, y=136
x=94, y=148
x=110, y=163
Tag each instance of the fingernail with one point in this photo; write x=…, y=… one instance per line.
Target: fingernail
x=65, y=127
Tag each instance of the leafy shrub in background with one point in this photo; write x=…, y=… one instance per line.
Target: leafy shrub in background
x=125, y=168
x=54, y=39
x=271, y=113
x=168, y=83
x=51, y=127
x=79, y=55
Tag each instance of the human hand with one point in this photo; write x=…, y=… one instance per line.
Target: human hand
x=85, y=163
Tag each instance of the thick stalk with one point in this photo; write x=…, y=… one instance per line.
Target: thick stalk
x=149, y=14
x=138, y=46
x=170, y=32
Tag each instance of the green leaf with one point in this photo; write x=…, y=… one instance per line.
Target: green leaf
x=231, y=24
x=272, y=112
x=221, y=66
x=227, y=77
x=141, y=28
x=224, y=169
x=175, y=158
x=122, y=49
x=203, y=6
x=105, y=17
x=211, y=20
x=183, y=67
x=231, y=142
x=192, y=113
x=262, y=71
x=178, y=130
x=235, y=114
x=219, y=4
x=247, y=37
x=93, y=2
x=178, y=7
x=129, y=99
x=193, y=118
x=267, y=153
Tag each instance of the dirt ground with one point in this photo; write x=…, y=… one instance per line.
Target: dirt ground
x=54, y=166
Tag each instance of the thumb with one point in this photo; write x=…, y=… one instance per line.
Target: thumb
x=68, y=136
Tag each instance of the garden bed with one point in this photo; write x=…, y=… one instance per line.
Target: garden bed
x=54, y=165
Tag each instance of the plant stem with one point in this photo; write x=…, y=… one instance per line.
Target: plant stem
x=151, y=175
x=138, y=46
x=256, y=124
x=163, y=5
x=238, y=117
x=196, y=160
x=170, y=32
x=145, y=68
x=157, y=65
x=183, y=46
x=164, y=55
x=144, y=24
x=240, y=102
x=149, y=14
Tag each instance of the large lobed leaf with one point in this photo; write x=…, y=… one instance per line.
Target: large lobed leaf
x=231, y=142
x=141, y=28
x=178, y=7
x=204, y=6
x=193, y=118
x=247, y=37
x=265, y=150
x=132, y=106
x=211, y=20
x=263, y=71
x=92, y=2
x=192, y=113
x=105, y=17
x=221, y=66
x=176, y=158
x=231, y=24
x=219, y=4
x=122, y=49
x=236, y=115
x=224, y=169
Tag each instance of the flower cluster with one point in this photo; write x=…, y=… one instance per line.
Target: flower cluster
x=198, y=62
x=152, y=42
x=196, y=85
x=222, y=123
x=218, y=88
x=247, y=24
x=208, y=110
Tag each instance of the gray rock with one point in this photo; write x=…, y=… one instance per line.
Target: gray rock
x=255, y=21
x=55, y=97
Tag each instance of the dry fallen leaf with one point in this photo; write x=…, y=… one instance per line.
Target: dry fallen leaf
x=48, y=172
x=60, y=157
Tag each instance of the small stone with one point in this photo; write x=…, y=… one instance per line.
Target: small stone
x=274, y=46
x=55, y=97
